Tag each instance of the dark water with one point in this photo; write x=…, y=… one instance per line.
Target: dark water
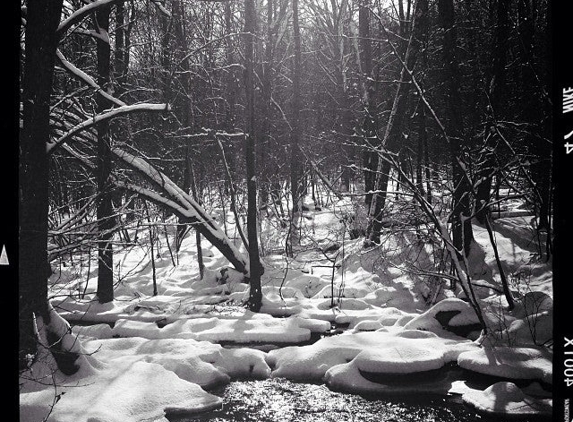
x=280, y=400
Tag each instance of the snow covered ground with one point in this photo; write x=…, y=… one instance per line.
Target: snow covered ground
x=378, y=315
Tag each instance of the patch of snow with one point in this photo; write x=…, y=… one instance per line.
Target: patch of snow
x=249, y=328
x=377, y=352
x=111, y=396
x=463, y=315
x=505, y=398
x=510, y=362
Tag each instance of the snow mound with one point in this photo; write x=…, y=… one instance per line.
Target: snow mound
x=532, y=330
x=389, y=316
x=506, y=398
x=94, y=331
x=202, y=363
x=348, y=378
x=402, y=357
x=450, y=314
x=130, y=328
x=249, y=328
x=110, y=396
x=87, y=310
x=243, y=330
x=509, y=362
x=367, y=325
x=376, y=352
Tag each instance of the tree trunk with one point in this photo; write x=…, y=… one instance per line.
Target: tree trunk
x=423, y=133
x=421, y=142
x=369, y=157
x=120, y=65
x=41, y=43
x=296, y=133
x=104, y=205
x=504, y=282
x=393, y=134
x=256, y=269
x=496, y=89
x=462, y=233
x=265, y=135
x=231, y=90
x=540, y=132
x=190, y=171
x=186, y=117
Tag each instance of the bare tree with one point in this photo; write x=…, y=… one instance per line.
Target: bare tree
x=394, y=128
x=462, y=232
x=105, y=218
x=42, y=20
x=255, y=267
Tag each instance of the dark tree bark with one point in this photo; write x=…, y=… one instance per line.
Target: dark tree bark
x=104, y=205
x=255, y=267
x=504, y=282
x=496, y=89
x=424, y=140
x=42, y=19
x=166, y=23
x=296, y=133
x=540, y=131
x=120, y=68
x=424, y=171
x=185, y=112
x=120, y=55
x=462, y=233
x=342, y=110
x=231, y=91
x=190, y=172
x=546, y=162
x=395, y=126
x=420, y=144
x=265, y=134
x=369, y=157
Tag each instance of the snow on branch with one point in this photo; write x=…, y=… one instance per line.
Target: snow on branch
x=321, y=175
x=214, y=133
x=184, y=205
x=82, y=76
x=155, y=198
x=115, y=112
x=81, y=13
x=161, y=8
x=165, y=183
x=159, y=179
x=178, y=202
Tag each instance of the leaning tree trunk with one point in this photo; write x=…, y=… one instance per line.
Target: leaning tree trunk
x=174, y=199
x=256, y=269
x=42, y=19
x=105, y=221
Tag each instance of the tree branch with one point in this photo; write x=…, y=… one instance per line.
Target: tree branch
x=86, y=124
x=81, y=13
x=84, y=77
